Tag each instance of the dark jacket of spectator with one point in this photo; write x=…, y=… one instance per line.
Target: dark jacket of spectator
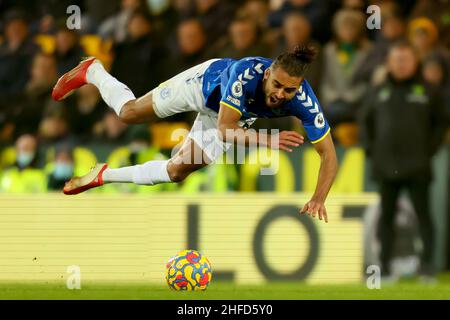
x=216, y=19
x=15, y=67
x=403, y=124
x=315, y=10
x=69, y=60
x=68, y=51
x=138, y=63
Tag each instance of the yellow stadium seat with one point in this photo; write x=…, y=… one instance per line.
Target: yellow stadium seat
x=347, y=134
x=94, y=46
x=84, y=159
x=7, y=157
x=166, y=135
x=118, y=157
x=91, y=44
x=46, y=42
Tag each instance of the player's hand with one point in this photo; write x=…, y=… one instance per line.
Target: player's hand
x=313, y=208
x=285, y=140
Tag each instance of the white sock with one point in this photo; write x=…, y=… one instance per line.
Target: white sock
x=113, y=92
x=149, y=173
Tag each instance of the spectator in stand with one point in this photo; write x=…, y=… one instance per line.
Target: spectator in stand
x=54, y=128
x=112, y=130
x=359, y=5
x=424, y=36
x=403, y=123
x=184, y=8
x=189, y=51
x=26, y=152
x=437, y=11
x=191, y=45
x=215, y=17
x=46, y=25
x=297, y=31
x=27, y=109
x=85, y=116
x=434, y=72
x=24, y=176
x=315, y=10
x=257, y=11
x=167, y=14
x=68, y=51
x=139, y=60
x=98, y=11
x=244, y=40
x=16, y=55
x=372, y=69
x=115, y=27
x=340, y=95
x=43, y=13
x=63, y=167
x=54, y=122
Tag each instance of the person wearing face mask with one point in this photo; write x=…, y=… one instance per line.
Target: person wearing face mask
x=24, y=176
x=63, y=168
x=26, y=152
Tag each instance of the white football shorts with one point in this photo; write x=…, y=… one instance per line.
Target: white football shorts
x=184, y=93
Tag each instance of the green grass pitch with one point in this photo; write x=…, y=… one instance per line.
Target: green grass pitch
x=403, y=290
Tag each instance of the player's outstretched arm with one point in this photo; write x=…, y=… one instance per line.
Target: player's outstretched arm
x=231, y=132
x=327, y=173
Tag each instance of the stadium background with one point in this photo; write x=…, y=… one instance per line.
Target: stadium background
x=244, y=222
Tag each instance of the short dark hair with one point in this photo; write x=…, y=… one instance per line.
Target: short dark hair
x=402, y=44
x=15, y=14
x=296, y=62
x=143, y=13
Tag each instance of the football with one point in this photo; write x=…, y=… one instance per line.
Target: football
x=189, y=270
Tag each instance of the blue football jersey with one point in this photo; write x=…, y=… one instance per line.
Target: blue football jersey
x=238, y=84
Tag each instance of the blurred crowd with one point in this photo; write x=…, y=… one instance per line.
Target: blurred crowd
x=145, y=42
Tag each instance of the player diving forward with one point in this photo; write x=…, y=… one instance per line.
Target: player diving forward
x=228, y=95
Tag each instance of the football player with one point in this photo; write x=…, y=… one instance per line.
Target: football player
x=229, y=95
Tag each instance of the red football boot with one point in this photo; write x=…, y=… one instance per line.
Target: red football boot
x=71, y=80
x=91, y=180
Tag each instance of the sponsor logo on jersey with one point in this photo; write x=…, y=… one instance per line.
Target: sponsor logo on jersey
x=234, y=101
